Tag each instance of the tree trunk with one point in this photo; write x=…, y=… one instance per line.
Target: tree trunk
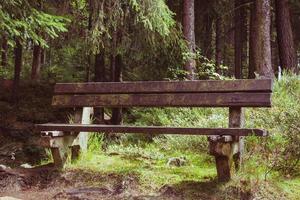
x=117, y=112
x=99, y=67
x=207, y=43
x=274, y=47
x=18, y=66
x=99, y=77
x=264, y=15
x=43, y=56
x=91, y=5
x=115, y=73
x=260, y=41
x=287, y=53
x=112, y=67
x=237, y=41
x=244, y=31
x=219, y=48
x=253, y=55
x=36, y=62
x=240, y=37
x=4, y=51
x=189, y=34
x=113, y=56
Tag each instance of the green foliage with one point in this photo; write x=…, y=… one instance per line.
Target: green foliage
x=207, y=69
x=41, y=23
x=282, y=149
x=18, y=19
x=153, y=58
x=95, y=142
x=5, y=73
x=180, y=117
x=68, y=64
x=154, y=15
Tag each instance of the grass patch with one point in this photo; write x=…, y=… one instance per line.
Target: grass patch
x=148, y=162
x=291, y=187
x=195, y=179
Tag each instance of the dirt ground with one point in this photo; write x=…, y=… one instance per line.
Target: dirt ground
x=47, y=183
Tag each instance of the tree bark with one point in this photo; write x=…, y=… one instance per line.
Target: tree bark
x=260, y=41
x=43, y=56
x=240, y=37
x=91, y=5
x=237, y=41
x=189, y=34
x=18, y=51
x=4, y=51
x=36, y=62
x=99, y=77
x=265, y=69
x=116, y=118
x=253, y=55
x=99, y=67
x=207, y=43
x=219, y=48
x=287, y=53
x=115, y=73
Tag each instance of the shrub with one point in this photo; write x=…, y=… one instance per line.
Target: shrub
x=282, y=148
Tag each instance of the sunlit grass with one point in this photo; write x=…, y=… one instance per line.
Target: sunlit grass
x=291, y=187
x=149, y=164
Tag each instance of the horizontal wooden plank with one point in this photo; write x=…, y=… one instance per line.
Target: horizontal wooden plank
x=165, y=100
x=250, y=85
x=149, y=129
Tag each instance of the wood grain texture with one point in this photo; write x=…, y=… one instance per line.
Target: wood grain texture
x=149, y=129
x=250, y=85
x=165, y=100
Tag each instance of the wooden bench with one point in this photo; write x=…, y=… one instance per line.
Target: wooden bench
x=226, y=144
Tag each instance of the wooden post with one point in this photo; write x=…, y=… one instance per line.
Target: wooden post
x=81, y=142
x=236, y=120
x=223, y=151
x=60, y=149
x=227, y=150
x=61, y=143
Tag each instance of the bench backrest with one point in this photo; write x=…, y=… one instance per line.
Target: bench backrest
x=241, y=93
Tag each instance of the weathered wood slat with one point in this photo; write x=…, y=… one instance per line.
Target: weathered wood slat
x=150, y=129
x=250, y=85
x=166, y=100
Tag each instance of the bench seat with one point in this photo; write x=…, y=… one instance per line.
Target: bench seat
x=150, y=129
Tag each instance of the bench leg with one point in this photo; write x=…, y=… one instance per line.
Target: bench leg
x=80, y=144
x=236, y=120
x=75, y=152
x=223, y=165
x=227, y=154
x=60, y=156
x=60, y=148
x=222, y=150
x=237, y=157
x=63, y=148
